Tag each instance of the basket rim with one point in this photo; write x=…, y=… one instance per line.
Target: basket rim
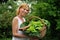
x=37, y=18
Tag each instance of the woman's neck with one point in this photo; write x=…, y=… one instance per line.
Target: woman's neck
x=20, y=16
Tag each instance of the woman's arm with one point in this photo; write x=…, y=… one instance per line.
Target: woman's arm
x=24, y=28
x=43, y=31
x=15, y=28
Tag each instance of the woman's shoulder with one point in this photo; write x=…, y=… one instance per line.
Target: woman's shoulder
x=15, y=18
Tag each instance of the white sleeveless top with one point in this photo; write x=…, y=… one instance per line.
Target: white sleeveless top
x=20, y=32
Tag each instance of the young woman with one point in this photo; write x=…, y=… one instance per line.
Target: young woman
x=21, y=12
x=17, y=33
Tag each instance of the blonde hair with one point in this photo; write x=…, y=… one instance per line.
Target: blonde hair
x=21, y=6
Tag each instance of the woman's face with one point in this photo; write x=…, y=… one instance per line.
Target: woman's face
x=24, y=11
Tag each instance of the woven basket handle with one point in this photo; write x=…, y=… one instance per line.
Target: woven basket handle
x=37, y=18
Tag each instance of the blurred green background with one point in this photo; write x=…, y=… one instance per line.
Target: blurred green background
x=47, y=9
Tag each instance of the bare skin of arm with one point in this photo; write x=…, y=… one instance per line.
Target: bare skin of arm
x=43, y=31
x=24, y=28
x=15, y=29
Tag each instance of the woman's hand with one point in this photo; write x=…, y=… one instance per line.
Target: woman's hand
x=24, y=28
x=43, y=28
x=43, y=32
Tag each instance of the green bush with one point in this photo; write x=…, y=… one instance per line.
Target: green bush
x=7, y=12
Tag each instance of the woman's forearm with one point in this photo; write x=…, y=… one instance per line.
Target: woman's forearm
x=43, y=32
x=19, y=35
x=23, y=28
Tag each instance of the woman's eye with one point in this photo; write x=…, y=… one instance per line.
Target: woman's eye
x=24, y=9
x=27, y=10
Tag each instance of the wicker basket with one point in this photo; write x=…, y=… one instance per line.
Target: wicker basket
x=43, y=31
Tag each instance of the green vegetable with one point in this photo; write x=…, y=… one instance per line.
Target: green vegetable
x=35, y=27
